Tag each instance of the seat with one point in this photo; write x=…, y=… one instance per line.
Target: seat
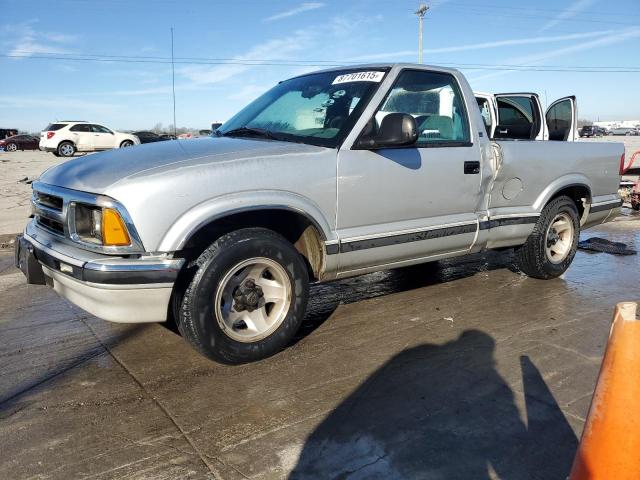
x=440, y=124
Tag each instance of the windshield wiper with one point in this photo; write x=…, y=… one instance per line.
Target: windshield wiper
x=251, y=132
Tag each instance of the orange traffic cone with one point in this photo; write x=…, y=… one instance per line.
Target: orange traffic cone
x=610, y=444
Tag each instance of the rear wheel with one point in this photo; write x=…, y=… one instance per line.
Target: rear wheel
x=11, y=147
x=66, y=149
x=247, y=298
x=552, y=245
x=126, y=143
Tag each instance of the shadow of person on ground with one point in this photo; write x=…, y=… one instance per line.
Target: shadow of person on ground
x=442, y=412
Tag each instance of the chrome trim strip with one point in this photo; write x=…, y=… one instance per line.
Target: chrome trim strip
x=76, y=262
x=513, y=215
x=142, y=264
x=117, y=271
x=508, y=221
x=407, y=231
x=418, y=235
x=415, y=236
x=603, y=206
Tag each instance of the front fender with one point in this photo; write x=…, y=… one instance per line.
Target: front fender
x=569, y=180
x=190, y=221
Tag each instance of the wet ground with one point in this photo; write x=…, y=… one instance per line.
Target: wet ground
x=462, y=369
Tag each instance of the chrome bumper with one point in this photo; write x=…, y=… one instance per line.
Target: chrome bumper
x=118, y=289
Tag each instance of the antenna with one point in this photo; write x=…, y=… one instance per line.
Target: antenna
x=173, y=85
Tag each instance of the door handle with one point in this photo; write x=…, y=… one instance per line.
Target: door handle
x=504, y=131
x=471, y=168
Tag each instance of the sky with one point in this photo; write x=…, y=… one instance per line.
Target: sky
x=109, y=62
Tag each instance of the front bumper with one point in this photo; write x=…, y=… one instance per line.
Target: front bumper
x=118, y=289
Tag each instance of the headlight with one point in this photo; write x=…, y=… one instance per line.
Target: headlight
x=100, y=226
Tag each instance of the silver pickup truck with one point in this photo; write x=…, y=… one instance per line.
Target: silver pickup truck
x=327, y=175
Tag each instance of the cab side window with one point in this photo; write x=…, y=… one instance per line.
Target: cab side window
x=100, y=129
x=435, y=101
x=81, y=127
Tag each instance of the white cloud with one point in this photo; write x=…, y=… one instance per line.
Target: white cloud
x=483, y=46
x=305, y=7
x=275, y=49
x=536, y=59
x=27, y=41
x=574, y=9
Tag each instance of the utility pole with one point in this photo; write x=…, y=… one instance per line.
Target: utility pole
x=173, y=86
x=422, y=10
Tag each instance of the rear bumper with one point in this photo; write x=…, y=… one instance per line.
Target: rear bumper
x=116, y=289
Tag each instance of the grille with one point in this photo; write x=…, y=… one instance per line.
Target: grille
x=50, y=224
x=50, y=201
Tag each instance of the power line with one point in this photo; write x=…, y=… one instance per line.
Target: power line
x=26, y=54
x=331, y=63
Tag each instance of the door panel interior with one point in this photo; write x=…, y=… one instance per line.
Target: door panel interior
x=562, y=119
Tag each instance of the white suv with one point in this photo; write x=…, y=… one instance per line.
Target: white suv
x=65, y=138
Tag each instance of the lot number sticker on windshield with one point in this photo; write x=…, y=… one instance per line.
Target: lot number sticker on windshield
x=359, y=77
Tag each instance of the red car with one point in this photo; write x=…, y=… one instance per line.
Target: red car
x=20, y=142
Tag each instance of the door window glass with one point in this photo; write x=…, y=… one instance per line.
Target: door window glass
x=559, y=120
x=517, y=118
x=100, y=129
x=81, y=127
x=435, y=101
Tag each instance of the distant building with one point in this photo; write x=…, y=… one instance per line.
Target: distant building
x=618, y=124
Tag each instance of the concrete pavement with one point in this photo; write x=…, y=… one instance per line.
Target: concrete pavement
x=463, y=369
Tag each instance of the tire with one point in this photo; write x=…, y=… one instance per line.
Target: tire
x=11, y=147
x=126, y=144
x=66, y=149
x=534, y=258
x=635, y=206
x=228, y=334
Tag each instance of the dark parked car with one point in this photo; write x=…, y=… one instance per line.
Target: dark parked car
x=7, y=132
x=150, y=137
x=588, y=131
x=20, y=142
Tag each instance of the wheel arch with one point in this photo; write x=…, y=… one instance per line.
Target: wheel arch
x=297, y=227
x=576, y=187
x=581, y=196
x=296, y=218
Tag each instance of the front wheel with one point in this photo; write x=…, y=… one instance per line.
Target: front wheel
x=247, y=298
x=126, y=143
x=12, y=147
x=552, y=245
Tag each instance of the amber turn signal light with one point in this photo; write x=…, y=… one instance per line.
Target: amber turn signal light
x=114, y=232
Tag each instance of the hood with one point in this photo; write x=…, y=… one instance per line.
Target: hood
x=95, y=173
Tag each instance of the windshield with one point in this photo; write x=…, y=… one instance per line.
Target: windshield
x=318, y=109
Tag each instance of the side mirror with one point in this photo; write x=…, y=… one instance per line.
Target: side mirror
x=396, y=130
